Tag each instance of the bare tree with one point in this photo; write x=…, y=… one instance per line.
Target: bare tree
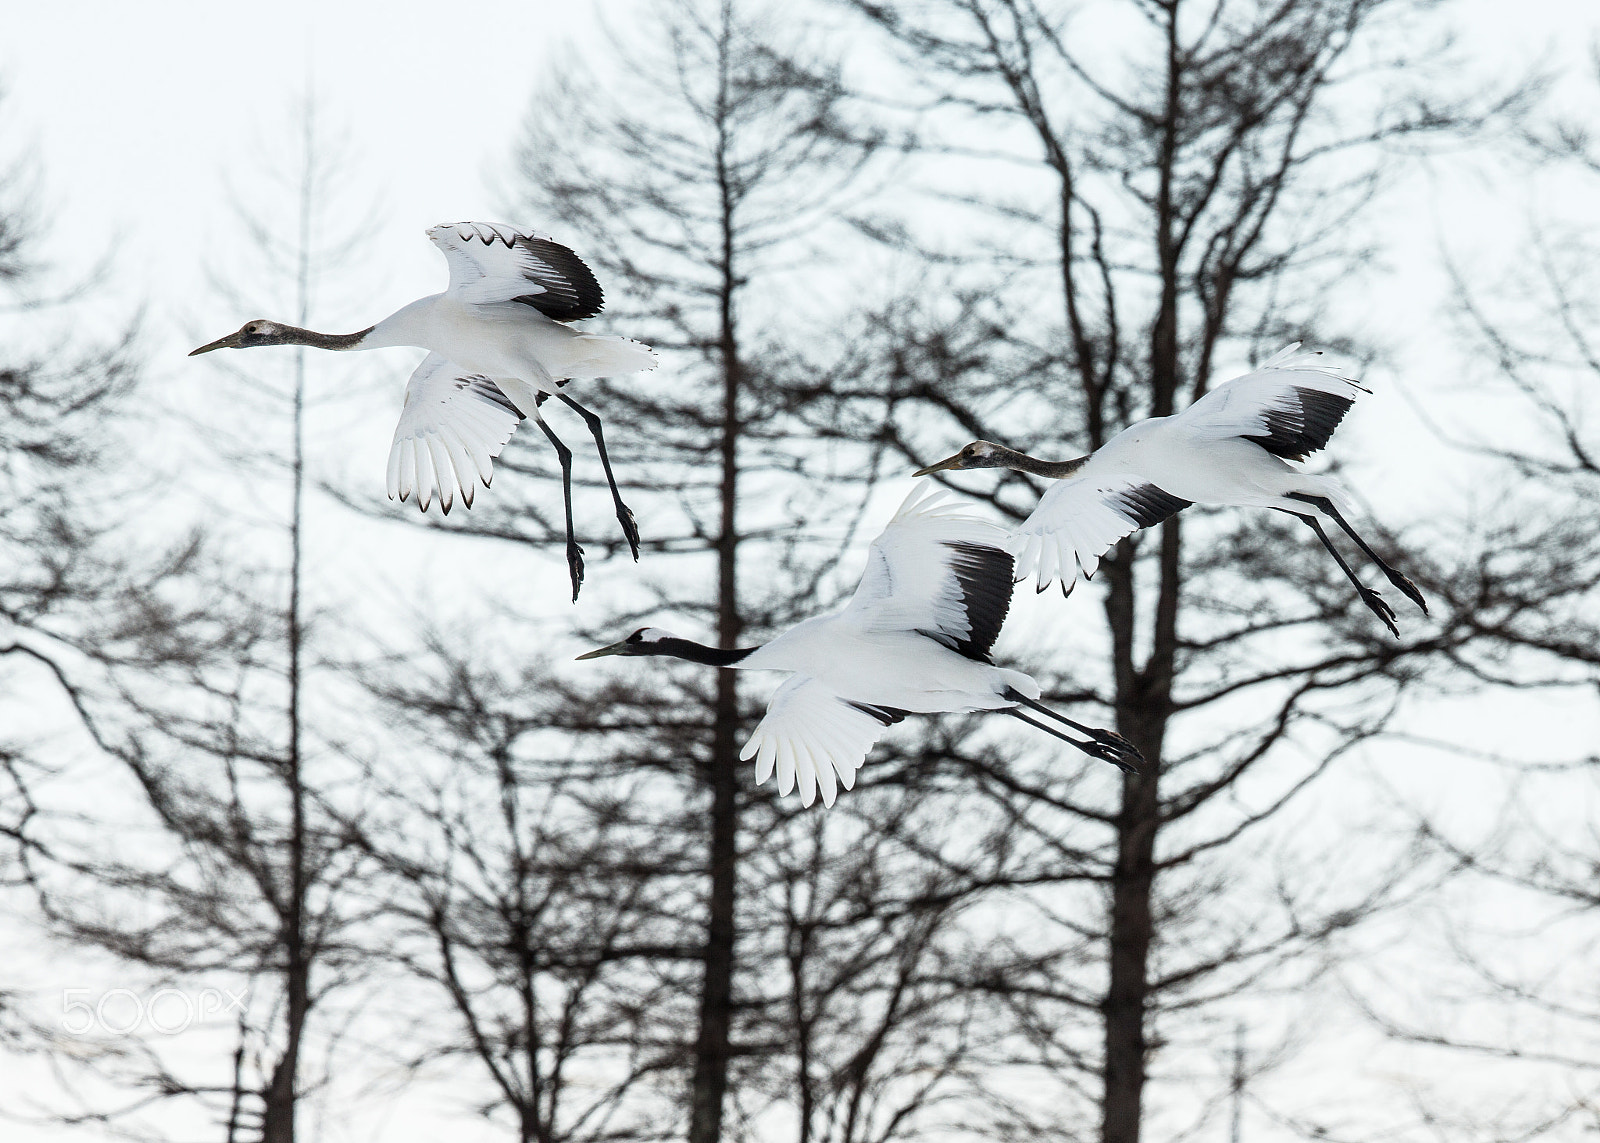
x=1182, y=205
x=1511, y=982
x=548, y=881
x=691, y=213
x=862, y=935
x=66, y=569
x=809, y=974
x=246, y=874
x=537, y=885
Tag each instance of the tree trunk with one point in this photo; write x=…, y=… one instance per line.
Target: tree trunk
x=277, y=1125
x=1143, y=698
x=716, y=994
x=281, y=1096
x=1132, y=876
x=1131, y=930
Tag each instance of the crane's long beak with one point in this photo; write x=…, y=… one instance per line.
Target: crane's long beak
x=615, y=649
x=948, y=462
x=229, y=342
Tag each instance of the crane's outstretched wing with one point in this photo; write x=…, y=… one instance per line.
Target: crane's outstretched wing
x=939, y=570
x=494, y=263
x=810, y=734
x=451, y=427
x=1077, y=521
x=1289, y=405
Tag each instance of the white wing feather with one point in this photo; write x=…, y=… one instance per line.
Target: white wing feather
x=1077, y=521
x=909, y=583
x=1241, y=407
x=485, y=265
x=490, y=262
x=451, y=427
x=812, y=738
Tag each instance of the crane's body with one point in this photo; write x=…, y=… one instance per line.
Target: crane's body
x=899, y=670
x=517, y=347
x=1228, y=449
x=914, y=639
x=1226, y=472
x=498, y=344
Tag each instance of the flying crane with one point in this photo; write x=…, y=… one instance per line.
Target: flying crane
x=914, y=639
x=499, y=343
x=1229, y=448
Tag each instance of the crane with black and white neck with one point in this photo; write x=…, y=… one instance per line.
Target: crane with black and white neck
x=1229, y=448
x=499, y=342
x=914, y=639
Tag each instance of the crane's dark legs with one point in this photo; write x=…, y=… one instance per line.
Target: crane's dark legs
x=1331, y=510
x=1104, y=744
x=1099, y=735
x=1372, y=599
x=574, y=552
x=1094, y=749
x=624, y=515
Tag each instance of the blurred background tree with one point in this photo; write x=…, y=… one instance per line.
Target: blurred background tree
x=223, y=723
x=1513, y=940
x=67, y=570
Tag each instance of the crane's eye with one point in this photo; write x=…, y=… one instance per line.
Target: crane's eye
x=252, y=328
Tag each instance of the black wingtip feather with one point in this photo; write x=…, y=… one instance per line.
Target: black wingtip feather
x=887, y=715
x=1147, y=505
x=571, y=293
x=1302, y=423
x=489, y=391
x=984, y=575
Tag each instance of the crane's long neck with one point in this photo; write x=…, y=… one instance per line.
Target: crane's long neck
x=700, y=653
x=1022, y=462
x=294, y=335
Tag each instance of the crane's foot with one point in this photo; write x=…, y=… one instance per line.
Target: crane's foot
x=1115, y=749
x=1120, y=754
x=1409, y=589
x=575, y=567
x=1380, y=608
x=630, y=529
x=1114, y=740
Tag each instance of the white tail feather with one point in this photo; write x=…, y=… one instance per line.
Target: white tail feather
x=600, y=355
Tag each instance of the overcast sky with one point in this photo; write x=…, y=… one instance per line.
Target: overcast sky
x=137, y=111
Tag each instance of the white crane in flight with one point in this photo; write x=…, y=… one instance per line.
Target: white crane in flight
x=914, y=639
x=498, y=343
x=1228, y=448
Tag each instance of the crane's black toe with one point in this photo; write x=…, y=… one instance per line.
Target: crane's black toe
x=1116, y=742
x=1117, y=756
x=1410, y=591
x=1380, y=608
x=575, y=567
x=630, y=528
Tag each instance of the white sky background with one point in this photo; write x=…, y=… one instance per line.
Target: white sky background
x=137, y=112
